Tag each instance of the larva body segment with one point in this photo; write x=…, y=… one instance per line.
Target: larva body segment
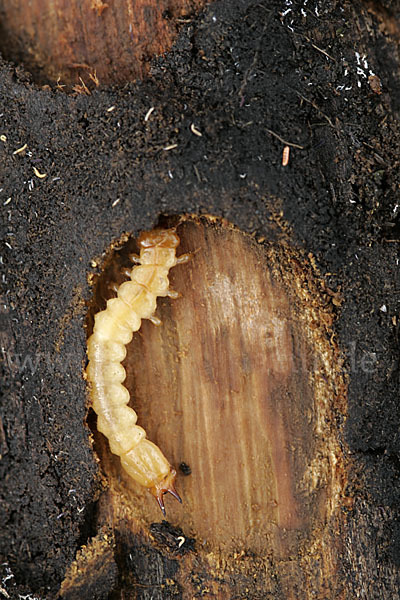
x=113, y=329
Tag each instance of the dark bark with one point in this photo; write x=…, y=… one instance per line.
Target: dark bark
x=242, y=74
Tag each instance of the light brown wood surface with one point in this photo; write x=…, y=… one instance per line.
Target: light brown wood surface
x=242, y=383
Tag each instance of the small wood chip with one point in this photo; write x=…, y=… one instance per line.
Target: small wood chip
x=194, y=130
x=20, y=150
x=285, y=156
x=149, y=113
x=375, y=84
x=38, y=174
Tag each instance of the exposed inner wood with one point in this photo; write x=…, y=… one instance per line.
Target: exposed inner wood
x=113, y=42
x=239, y=383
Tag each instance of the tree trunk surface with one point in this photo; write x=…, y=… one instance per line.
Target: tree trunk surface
x=92, y=42
x=272, y=383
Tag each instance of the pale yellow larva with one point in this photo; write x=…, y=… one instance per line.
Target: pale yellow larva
x=113, y=329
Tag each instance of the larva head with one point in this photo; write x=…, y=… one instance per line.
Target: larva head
x=165, y=486
x=161, y=238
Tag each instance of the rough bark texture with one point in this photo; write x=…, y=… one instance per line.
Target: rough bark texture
x=329, y=224
x=90, y=42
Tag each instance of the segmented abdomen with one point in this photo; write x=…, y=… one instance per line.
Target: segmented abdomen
x=113, y=330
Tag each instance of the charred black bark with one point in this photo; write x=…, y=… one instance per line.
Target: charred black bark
x=251, y=77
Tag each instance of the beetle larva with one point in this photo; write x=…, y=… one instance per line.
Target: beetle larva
x=113, y=329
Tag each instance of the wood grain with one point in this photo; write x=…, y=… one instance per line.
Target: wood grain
x=111, y=41
x=240, y=383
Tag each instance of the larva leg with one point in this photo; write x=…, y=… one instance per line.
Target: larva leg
x=155, y=320
x=173, y=294
x=184, y=258
x=114, y=287
x=127, y=272
x=135, y=258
